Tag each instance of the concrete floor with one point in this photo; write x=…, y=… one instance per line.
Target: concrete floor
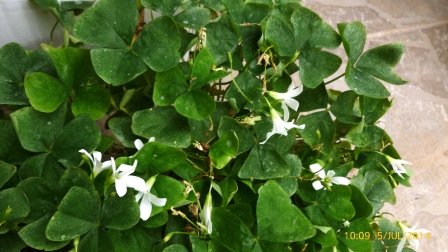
x=418, y=120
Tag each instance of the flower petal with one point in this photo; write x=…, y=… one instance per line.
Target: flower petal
x=317, y=185
x=145, y=208
x=340, y=180
x=330, y=174
x=321, y=174
x=151, y=139
x=156, y=201
x=285, y=112
x=138, y=144
x=315, y=167
x=120, y=187
x=87, y=154
x=134, y=182
x=292, y=103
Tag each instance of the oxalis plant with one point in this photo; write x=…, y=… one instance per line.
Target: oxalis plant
x=212, y=145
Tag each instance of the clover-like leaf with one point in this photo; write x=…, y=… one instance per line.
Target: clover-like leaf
x=319, y=131
x=77, y=213
x=315, y=66
x=195, y=104
x=169, y=85
x=158, y=50
x=163, y=123
x=155, y=157
x=119, y=213
x=353, y=38
x=290, y=226
x=93, y=100
x=264, y=162
x=221, y=39
x=165, y=7
x=195, y=18
x=343, y=108
x=13, y=63
x=224, y=150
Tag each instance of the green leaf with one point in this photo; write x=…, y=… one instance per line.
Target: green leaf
x=371, y=137
x=13, y=63
x=245, y=85
x=96, y=240
x=228, y=188
x=311, y=99
x=373, y=109
x=45, y=92
x=44, y=166
x=11, y=151
x=376, y=187
x=242, y=210
x=224, y=150
x=134, y=239
x=195, y=104
x=109, y=24
x=336, y=203
x=93, y=100
x=343, y=108
x=364, y=84
x=117, y=66
x=357, y=227
x=215, y=5
x=42, y=197
x=311, y=33
x=156, y=157
x=36, y=130
x=74, y=177
x=34, y=235
x=40, y=61
x=119, y=213
x=70, y=141
x=319, y=131
x=14, y=205
x=205, y=130
x=158, y=50
x=165, y=7
x=221, y=39
x=121, y=127
x=194, y=18
x=290, y=226
x=6, y=172
x=77, y=214
x=73, y=65
x=245, y=137
x=316, y=66
x=201, y=68
x=389, y=232
x=361, y=203
x=280, y=34
x=171, y=189
x=175, y=248
x=11, y=242
x=230, y=231
x=353, y=38
x=169, y=85
x=264, y=162
x=157, y=220
x=163, y=123
x=381, y=60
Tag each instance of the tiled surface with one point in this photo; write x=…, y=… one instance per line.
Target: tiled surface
x=418, y=121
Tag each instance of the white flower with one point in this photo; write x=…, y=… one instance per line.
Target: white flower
x=98, y=166
x=397, y=165
x=346, y=223
x=414, y=234
x=139, y=144
x=123, y=179
x=207, y=213
x=287, y=98
x=326, y=179
x=280, y=126
x=148, y=199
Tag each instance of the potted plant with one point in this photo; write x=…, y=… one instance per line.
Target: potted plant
x=223, y=133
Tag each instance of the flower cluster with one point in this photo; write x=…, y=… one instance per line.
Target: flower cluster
x=124, y=180
x=326, y=179
x=281, y=126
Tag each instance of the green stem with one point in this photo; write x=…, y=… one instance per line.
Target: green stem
x=52, y=31
x=291, y=60
x=334, y=79
x=233, y=80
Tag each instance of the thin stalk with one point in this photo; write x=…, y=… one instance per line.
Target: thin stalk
x=334, y=79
